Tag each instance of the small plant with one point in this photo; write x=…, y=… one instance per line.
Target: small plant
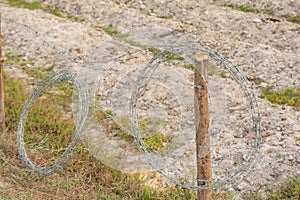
x=295, y=19
x=168, y=55
x=166, y=17
x=243, y=8
x=257, y=81
x=279, y=155
x=109, y=30
x=148, y=129
x=214, y=71
x=190, y=67
x=288, y=96
x=246, y=9
x=223, y=74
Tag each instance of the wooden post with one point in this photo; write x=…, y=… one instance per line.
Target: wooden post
x=2, y=113
x=202, y=126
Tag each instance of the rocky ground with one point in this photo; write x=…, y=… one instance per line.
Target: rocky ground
x=263, y=44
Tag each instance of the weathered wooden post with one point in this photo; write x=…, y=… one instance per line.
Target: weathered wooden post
x=204, y=171
x=2, y=113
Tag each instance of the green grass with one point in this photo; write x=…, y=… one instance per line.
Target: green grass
x=148, y=129
x=36, y=5
x=109, y=30
x=257, y=81
x=166, y=17
x=243, y=8
x=295, y=19
x=47, y=130
x=167, y=54
x=23, y=4
x=288, y=96
x=190, y=67
x=247, y=9
x=214, y=71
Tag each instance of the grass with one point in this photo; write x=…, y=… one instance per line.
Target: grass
x=166, y=17
x=167, y=54
x=295, y=19
x=257, y=80
x=109, y=30
x=148, y=129
x=288, y=96
x=214, y=71
x=247, y=9
x=49, y=128
x=36, y=5
x=243, y=8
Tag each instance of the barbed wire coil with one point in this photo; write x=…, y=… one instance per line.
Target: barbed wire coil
x=82, y=115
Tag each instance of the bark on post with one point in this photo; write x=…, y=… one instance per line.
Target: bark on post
x=202, y=125
x=2, y=113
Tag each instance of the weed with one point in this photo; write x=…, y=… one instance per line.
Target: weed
x=246, y=9
x=166, y=17
x=269, y=12
x=279, y=155
x=214, y=71
x=257, y=81
x=295, y=19
x=288, y=96
x=243, y=8
x=168, y=55
x=190, y=67
x=223, y=74
x=148, y=129
x=109, y=30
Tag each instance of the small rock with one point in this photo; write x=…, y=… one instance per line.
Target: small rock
x=256, y=20
x=246, y=157
x=239, y=188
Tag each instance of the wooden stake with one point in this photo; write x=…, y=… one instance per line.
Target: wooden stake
x=202, y=125
x=2, y=113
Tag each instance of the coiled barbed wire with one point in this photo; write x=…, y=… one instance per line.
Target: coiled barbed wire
x=238, y=77
x=141, y=83
x=52, y=79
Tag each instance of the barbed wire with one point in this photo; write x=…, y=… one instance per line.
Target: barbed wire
x=82, y=115
x=142, y=80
